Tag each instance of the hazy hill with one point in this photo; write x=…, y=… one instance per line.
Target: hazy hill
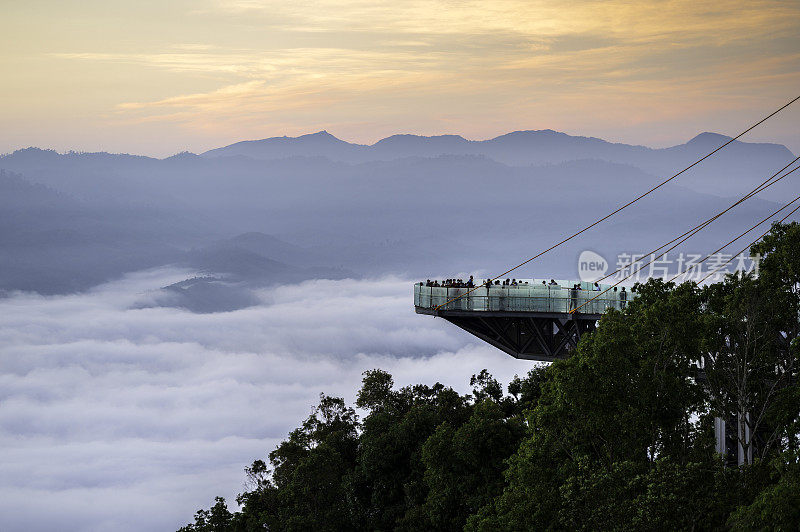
x=738, y=163
x=321, y=144
x=515, y=148
x=734, y=170
x=259, y=259
x=52, y=243
x=420, y=206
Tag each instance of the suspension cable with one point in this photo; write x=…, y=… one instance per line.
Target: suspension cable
x=696, y=229
x=704, y=259
x=631, y=202
x=748, y=245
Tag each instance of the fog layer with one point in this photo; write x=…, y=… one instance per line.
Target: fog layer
x=116, y=417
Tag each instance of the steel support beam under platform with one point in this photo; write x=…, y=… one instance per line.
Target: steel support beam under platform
x=526, y=335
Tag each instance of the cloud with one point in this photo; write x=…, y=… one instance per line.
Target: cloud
x=432, y=67
x=116, y=417
x=638, y=72
x=631, y=20
x=192, y=59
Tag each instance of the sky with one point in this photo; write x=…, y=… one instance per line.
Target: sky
x=157, y=78
x=119, y=416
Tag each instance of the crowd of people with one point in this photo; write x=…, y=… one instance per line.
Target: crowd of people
x=470, y=283
x=451, y=283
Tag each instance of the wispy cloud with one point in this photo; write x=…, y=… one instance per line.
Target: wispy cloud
x=192, y=60
x=239, y=68
x=505, y=55
x=707, y=20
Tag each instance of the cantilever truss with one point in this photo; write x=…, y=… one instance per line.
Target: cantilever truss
x=527, y=335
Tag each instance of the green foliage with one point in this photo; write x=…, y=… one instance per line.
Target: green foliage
x=217, y=519
x=619, y=436
x=749, y=364
x=780, y=269
x=777, y=506
x=464, y=465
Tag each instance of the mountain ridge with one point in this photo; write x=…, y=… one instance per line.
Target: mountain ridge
x=324, y=144
x=540, y=135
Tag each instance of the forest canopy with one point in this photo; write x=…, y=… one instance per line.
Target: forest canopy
x=619, y=435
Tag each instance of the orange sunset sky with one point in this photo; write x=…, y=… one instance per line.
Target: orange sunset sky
x=156, y=78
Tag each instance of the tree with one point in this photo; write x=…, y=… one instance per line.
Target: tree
x=777, y=507
x=625, y=399
x=217, y=519
x=464, y=464
x=309, y=468
x=747, y=365
x=387, y=485
x=779, y=273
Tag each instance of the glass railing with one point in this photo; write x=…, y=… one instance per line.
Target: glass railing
x=523, y=298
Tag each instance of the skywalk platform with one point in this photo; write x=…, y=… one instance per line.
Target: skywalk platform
x=531, y=320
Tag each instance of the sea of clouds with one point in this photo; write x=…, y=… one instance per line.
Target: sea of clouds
x=119, y=415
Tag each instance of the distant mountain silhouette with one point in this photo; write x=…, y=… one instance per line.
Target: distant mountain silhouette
x=282, y=210
x=398, y=146
x=739, y=161
x=729, y=172
x=321, y=144
x=515, y=148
